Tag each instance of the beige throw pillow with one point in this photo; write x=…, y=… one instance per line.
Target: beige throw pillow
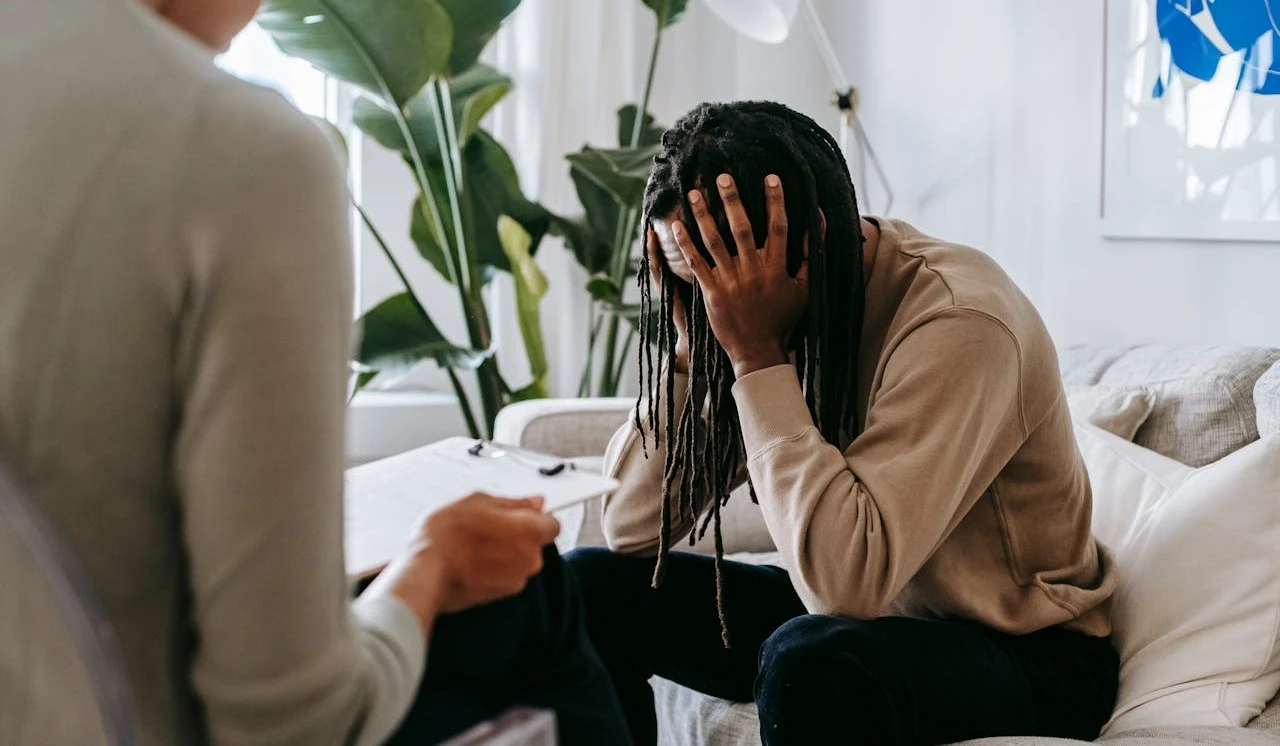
x=1119, y=411
x=1197, y=611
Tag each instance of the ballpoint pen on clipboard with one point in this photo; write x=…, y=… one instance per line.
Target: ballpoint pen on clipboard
x=547, y=468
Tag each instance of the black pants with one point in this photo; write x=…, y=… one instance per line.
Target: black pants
x=828, y=680
x=527, y=650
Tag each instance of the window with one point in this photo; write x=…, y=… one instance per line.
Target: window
x=253, y=56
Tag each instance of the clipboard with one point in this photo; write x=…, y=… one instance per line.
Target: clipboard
x=386, y=500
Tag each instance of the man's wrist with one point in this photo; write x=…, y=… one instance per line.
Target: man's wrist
x=751, y=361
x=418, y=578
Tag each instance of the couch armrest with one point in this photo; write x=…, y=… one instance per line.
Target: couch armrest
x=567, y=428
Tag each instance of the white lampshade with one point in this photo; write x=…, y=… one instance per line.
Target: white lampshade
x=768, y=21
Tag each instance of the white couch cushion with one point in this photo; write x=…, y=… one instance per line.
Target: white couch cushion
x=1197, y=611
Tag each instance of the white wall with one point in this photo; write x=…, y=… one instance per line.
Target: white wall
x=988, y=115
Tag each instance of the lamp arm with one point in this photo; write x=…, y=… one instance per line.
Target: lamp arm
x=840, y=79
x=828, y=52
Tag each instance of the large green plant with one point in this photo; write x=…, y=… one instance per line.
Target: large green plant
x=424, y=94
x=610, y=184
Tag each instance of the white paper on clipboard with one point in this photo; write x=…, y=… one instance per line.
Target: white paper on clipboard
x=387, y=499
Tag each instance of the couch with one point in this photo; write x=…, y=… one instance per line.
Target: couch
x=1208, y=402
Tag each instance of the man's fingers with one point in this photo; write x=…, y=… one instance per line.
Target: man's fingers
x=710, y=232
x=550, y=528
x=739, y=225
x=541, y=528
x=531, y=503
x=534, y=502
x=696, y=263
x=776, y=207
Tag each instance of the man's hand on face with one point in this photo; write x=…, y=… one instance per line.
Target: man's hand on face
x=477, y=550
x=753, y=304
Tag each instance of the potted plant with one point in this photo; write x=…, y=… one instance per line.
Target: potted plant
x=423, y=95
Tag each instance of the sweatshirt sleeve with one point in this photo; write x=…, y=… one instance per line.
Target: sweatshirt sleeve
x=632, y=517
x=854, y=527
x=282, y=656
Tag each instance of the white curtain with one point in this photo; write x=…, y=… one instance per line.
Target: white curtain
x=574, y=62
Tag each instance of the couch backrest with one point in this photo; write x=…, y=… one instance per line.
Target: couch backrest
x=1204, y=395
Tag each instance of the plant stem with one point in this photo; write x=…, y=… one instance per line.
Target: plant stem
x=452, y=160
x=604, y=387
x=623, y=240
x=622, y=359
x=463, y=402
x=476, y=314
x=436, y=221
x=584, y=385
x=472, y=306
x=638, y=126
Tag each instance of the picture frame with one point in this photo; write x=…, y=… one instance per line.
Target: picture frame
x=1191, y=142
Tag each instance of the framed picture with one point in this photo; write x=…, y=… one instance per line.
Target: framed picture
x=1192, y=130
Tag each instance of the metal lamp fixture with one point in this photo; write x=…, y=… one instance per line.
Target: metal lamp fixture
x=770, y=21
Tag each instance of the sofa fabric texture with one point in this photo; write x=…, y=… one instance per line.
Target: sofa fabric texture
x=1204, y=395
x=1209, y=401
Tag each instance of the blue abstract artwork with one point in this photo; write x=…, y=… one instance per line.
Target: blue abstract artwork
x=1200, y=34
x=1191, y=145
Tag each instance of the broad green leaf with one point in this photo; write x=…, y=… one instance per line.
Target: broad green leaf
x=396, y=45
x=623, y=172
x=360, y=380
x=605, y=290
x=667, y=11
x=530, y=286
x=591, y=236
x=602, y=210
x=589, y=247
x=397, y=334
x=492, y=190
x=650, y=130
x=491, y=187
x=474, y=23
x=474, y=94
x=420, y=230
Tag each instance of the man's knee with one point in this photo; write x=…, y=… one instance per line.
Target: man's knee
x=811, y=662
x=602, y=572
x=795, y=654
x=825, y=675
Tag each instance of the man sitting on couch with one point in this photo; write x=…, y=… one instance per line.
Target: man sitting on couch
x=897, y=406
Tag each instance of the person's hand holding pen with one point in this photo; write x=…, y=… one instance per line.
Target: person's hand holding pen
x=479, y=549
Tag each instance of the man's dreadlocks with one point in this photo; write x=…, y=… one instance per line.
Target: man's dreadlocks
x=747, y=140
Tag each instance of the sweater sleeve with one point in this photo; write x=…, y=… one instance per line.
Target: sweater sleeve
x=632, y=517
x=854, y=527
x=281, y=655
